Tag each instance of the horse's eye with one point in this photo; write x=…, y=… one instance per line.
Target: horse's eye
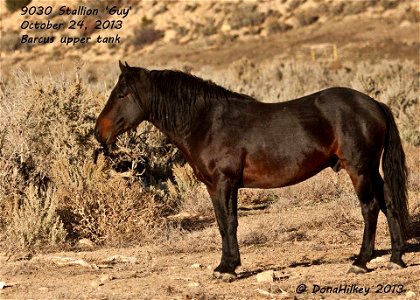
x=121, y=96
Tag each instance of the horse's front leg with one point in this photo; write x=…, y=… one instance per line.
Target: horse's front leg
x=224, y=196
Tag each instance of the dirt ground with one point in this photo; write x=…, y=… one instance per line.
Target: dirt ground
x=318, y=258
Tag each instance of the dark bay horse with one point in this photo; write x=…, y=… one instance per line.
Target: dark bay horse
x=233, y=141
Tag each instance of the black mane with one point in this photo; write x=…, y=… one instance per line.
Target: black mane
x=177, y=97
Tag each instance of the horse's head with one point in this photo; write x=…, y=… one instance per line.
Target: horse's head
x=124, y=109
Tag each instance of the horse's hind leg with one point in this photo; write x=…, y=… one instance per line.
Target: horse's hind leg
x=397, y=240
x=364, y=185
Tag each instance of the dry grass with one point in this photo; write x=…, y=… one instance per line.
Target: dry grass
x=35, y=221
x=46, y=144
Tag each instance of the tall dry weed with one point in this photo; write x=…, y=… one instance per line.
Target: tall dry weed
x=35, y=221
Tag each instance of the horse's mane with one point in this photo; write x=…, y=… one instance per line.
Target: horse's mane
x=177, y=98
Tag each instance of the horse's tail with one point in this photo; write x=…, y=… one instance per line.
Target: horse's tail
x=395, y=172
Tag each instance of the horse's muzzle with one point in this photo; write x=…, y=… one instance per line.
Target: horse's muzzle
x=99, y=136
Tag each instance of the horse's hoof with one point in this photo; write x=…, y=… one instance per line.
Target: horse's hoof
x=357, y=270
x=228, y=277
x=393, y=266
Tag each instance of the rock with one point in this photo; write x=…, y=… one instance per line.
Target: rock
x=170, y=35
x=193, y=284
x=106, y=277
x=2, y=285
x=410, y=294
x=379, y=259
x=86, y=243
x=197, y=266
x=266, y=276
x=226, y=28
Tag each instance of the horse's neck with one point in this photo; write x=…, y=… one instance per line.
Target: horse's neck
x=179, y=122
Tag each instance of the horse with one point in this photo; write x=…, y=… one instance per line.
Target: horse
x=233, y=141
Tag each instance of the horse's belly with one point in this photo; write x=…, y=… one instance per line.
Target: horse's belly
x=273, y=174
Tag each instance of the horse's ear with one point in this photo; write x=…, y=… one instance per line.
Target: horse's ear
x=127, y=65
x=122, y=67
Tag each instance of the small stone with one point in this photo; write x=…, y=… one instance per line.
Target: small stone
x=2, y=285
x=170, y=35
x=266, y=276
x=196, y=266
x=378, y=259
x=193, y=284
x=86, y=243
x=106, y=277
x=226, y=28
x=410, y=294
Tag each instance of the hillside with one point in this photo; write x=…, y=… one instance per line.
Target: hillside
x=217, y=33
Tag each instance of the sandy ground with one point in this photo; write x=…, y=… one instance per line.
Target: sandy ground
x=154, y=272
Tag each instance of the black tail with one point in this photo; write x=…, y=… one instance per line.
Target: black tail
x=395, y=171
